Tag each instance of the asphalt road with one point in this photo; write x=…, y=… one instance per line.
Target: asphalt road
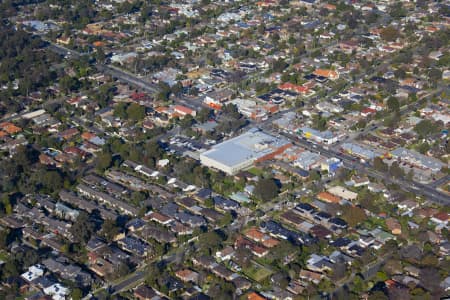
x=129, y=78
x=353, y=164
x=440, y=181
x=133, y=280
x=428, y=191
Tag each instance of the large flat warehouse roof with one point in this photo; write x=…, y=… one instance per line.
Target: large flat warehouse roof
x=249, y=146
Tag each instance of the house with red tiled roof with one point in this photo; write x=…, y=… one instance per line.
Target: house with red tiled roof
x=74, y=101
x=187, y=275
x=46, y=160
x=254, y=248
x=270, y=242
x=293, y=87
x=255, y=296
x=87, y=136
x=311, y=276
x=394, y=226
x=349, y=46
x=68, y=134
x=144, y=292
x=75, y=151
x=267, y=3
x=327, y=73
x=368, y=111
x=255, y=234
x=160, y=218
x=327, y=197
x=440, y=218
x=10, y=128
x=184, y=111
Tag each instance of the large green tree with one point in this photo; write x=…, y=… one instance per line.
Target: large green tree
x=353, y=215
x=426, y=127
x=104, y=161
x=393, y=104
x=266, y=189
x=83, y=228
x=389, y=34
x=136, y=112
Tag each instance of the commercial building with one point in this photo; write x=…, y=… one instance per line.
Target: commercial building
x=242, y=151
x=308, y=160
x=360, y=151
x=418, y=160
x=324, y=137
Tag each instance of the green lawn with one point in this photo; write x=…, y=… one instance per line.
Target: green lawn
x=257, y=272
x=4, y=256
x=255, y=171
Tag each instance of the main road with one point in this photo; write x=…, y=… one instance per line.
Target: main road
x=120, y=74
x=349, y=162
x=353, y=164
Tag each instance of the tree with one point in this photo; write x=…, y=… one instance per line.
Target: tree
x=392, y=266
x=338, y=271
x=153, y=149
x=266, y=189
x=426, y=128
x=226, y=219
x=361, y=124
x=435, y=75
x=396, y=171
x=120, y=110
x=177, y=88
x=6, y=203
x=76, y=294
x=358, y=284
x=389, y=34
x=400, y=73
x=104, y=161
x=50, y=180
x=379, y=165
x=187, y=122
x=82, y=228
x=25, y=156
x=231, y=110
x=399, y=292
x=314, y=175
x=4, y=238
x=353, y=215
x=319, y=122
x=371, y=18
x=122, y=270
x=209, y=202
x=138, y=197
x=68, y=83
x=378, y=295
x=222, y=290
x=10, y=269
x=204, y=115
x=164, y=91
x=381, y=276
x=397, y=11
x=393, y=104
x=109, y=229
x=279, y=65
x=423, y=147
x=136, y=112
x=210, y=241
x=100, y=55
